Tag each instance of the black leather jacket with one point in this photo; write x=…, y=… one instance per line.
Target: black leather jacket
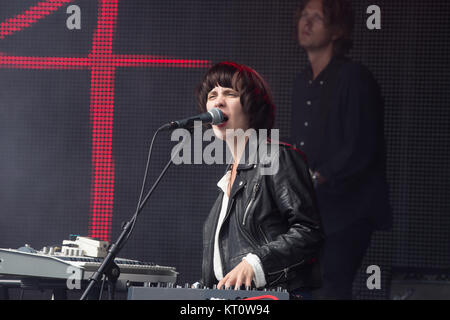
x=274, y=216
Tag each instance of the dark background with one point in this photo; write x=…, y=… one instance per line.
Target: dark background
x=45, y=131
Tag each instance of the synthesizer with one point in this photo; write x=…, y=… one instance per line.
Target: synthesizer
x=187, y=293
x=19, y=264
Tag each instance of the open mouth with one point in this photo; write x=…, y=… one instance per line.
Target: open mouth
x=225, y=120
x=223, y=123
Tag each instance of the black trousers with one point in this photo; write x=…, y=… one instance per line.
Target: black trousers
x=342, y=256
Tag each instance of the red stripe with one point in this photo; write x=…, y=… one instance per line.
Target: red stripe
x=30, y=16
x=21, y=62
x=102, y=110
x=102, y=63
x=151, y=61
x=43, y=62
x=264, y=297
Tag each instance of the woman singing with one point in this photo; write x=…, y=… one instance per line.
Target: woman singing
x=264, y=230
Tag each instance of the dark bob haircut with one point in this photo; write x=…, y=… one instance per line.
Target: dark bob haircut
x=255, y=96
x=338, y=16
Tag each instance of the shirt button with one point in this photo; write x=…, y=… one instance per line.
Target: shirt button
x=321, y=82
x=306, y=123
x=308, y=103
x=302, y=143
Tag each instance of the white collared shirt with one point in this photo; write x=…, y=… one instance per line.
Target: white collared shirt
x=252, y=259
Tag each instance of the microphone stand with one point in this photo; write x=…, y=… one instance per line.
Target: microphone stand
x=108, y=267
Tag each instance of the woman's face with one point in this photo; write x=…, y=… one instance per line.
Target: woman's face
x=229, y=102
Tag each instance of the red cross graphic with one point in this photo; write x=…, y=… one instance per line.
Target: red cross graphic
x=102, y=62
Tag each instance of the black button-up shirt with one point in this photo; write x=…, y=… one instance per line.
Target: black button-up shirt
x=308, y=100
x=307, y=125
x=337, y=121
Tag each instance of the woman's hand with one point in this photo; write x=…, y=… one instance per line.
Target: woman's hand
x=317, y=178
x=241, y=274
x=320, y=179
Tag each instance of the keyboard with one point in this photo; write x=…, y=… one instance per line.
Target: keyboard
x=19, y=264
x=186, y=293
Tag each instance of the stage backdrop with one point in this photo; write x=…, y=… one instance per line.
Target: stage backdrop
x=84, y=84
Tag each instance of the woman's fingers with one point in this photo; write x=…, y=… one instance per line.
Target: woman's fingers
x=241, y=274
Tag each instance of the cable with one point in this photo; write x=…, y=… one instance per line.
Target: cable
x=141, y=202
x=102, y=288
x=267, y=296
x=134, y=218
x=128, y=228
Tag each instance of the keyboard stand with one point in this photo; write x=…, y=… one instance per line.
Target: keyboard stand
x=58, y=288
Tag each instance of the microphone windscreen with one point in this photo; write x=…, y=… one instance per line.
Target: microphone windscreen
x=217, y=116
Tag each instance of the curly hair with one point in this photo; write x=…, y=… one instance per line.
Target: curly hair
x=255, y=96
x=338, y=15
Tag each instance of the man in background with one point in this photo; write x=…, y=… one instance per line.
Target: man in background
x=337, y=120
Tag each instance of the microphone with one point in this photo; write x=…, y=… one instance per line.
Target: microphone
x=213, y=116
